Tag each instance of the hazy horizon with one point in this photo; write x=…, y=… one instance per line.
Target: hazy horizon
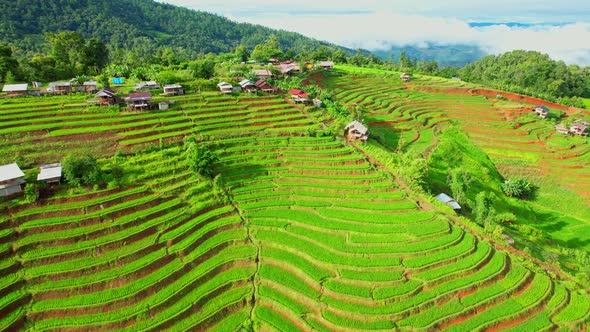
x=558, y=29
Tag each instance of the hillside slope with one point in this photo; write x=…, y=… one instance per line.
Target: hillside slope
x=135, y=24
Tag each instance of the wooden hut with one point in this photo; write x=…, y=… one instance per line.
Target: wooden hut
x=146, y=86
x=11, y=180
x=50, y=174
x=579, y=128
x=405, y=77
x=225, y=88
x=450, y=201
x=107, y=97
x=356, y=131
x=264, y=86
x=327, y=65
x=299, y=96
x=248, y=86
x=262, y=74
x=562, y=129
x=139, y=101
x=90, y=86
x=16, y=90
x=60, y=88
x=541, y=110
x=173, y=90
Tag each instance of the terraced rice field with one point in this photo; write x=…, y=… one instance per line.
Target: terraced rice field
x=405, y=115
x=315, y=237
x=39, y=131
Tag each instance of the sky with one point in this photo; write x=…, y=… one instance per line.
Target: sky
x=560, y=28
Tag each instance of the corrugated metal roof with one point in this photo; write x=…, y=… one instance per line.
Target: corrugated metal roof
x=139, y=96
x=105, y=93
x=173, y=86
x=448, y=200
x=10, y=172
x=50, y=171
x=15, y=87
x=224, y=85
x=358, y=126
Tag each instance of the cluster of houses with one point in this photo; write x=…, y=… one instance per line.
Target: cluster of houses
x=579, y=127
x=55, y=88
x=140, y=100
x=12, y=179
x=247, y=86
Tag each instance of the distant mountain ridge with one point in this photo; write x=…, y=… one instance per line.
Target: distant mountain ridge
x=446, y=55
x=140, y=25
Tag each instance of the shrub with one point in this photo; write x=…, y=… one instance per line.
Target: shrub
x=81, y=170
x=200, y=157
x=517, y=187
x=31, y=193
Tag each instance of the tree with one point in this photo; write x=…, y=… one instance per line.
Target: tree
x=269, y=49
x=68, y=51
x=516, y=187
x=95, y=56
x=81, y=170
x=242, y=53
x=483, y=210
x=31, y=193
x=8, y=63
x=339, y=56
x=459, y=181
x=200, y=157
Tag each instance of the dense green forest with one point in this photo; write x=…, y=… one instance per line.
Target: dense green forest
x=531, y=73
x=135, y=30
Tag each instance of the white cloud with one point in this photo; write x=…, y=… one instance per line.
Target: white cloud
x=383, y=30
x=376, y=24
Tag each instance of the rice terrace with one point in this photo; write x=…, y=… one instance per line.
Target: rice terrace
x=284, y=185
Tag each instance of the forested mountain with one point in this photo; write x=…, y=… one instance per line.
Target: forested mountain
x=530, y=72
x=445, y=55
x=139, y=26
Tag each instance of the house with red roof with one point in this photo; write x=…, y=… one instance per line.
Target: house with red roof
x=299, y=96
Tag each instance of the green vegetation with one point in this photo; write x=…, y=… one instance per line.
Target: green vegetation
x=249, y=212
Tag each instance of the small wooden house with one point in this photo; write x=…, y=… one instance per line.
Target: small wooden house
x=50, y=174
x=405, y=77
x=298, y=96
x=541, y=110
x=139, y=101
x=327, y=65
x=457, y=79
x=317, y=103
x=146, y=86
x=248, y=86
x=579, y=128
x=262, y=74
x=60, y=88
x=562, y=129
x=289, y=68
x=225, y=88
x=356, y=131
x=90, y=86
x=11, y=180
x=450, y=201
x=16, y=90
x=264, y=86
x=107, y=97
x=173, y=90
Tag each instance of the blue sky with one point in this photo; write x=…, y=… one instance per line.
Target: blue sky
x=559, y=28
